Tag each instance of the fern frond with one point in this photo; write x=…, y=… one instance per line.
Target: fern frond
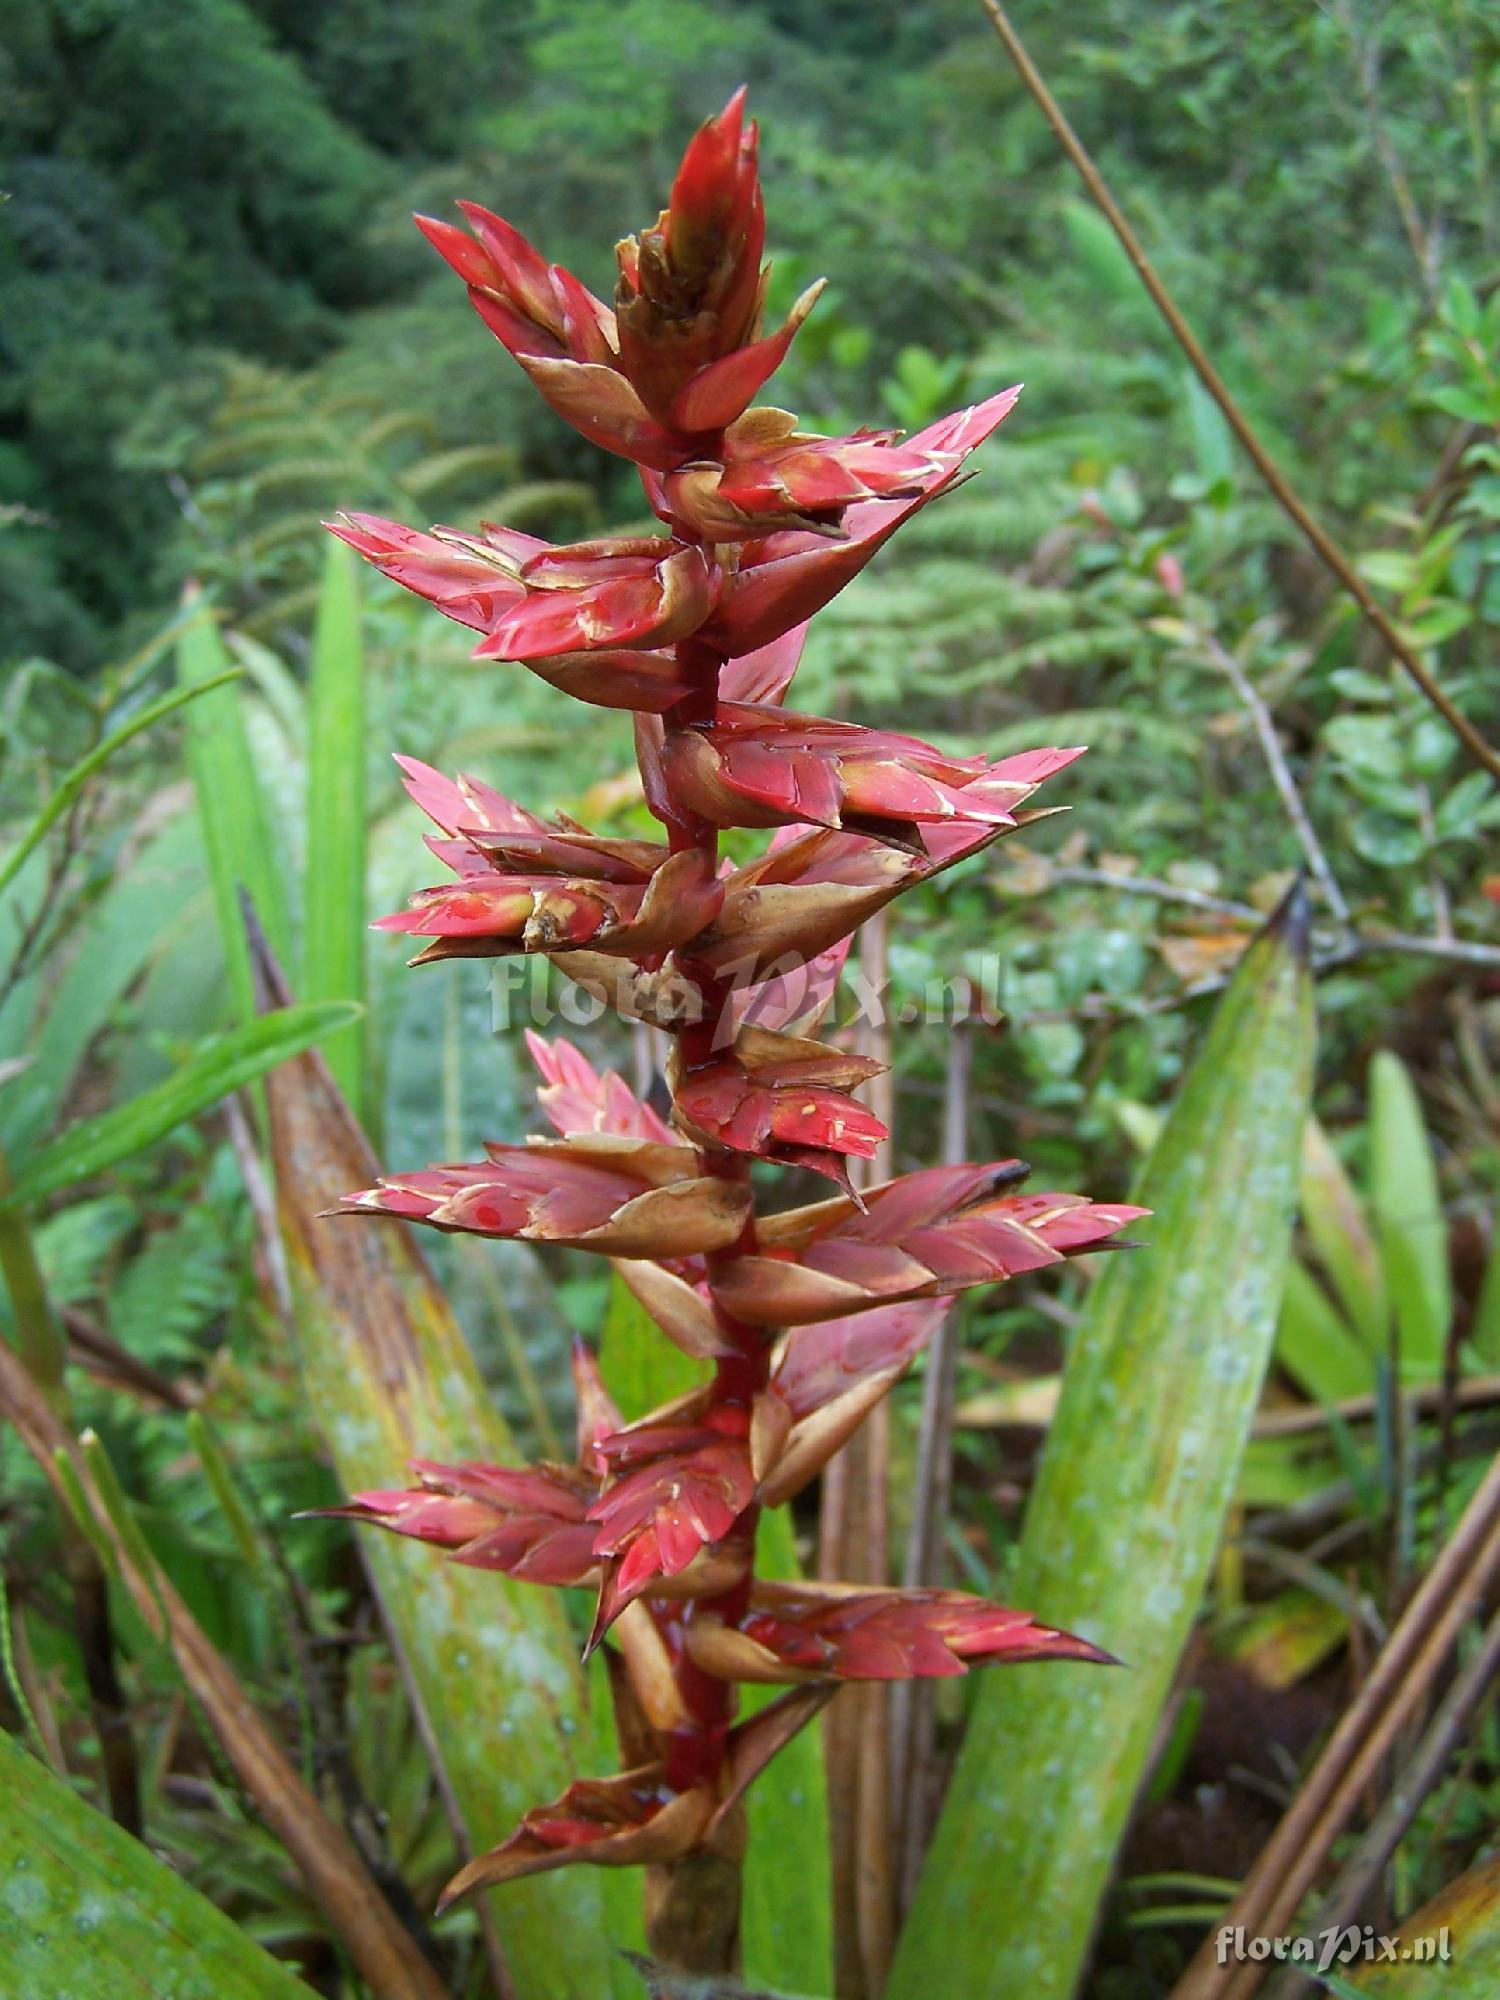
x=449, y=468
x=396, y=424
x=538, y=502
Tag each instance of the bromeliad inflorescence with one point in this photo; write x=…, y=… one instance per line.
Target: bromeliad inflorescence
x=807, y=1316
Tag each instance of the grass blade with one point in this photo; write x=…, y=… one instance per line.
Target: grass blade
x=231, y=810
x=389, y=1961
x=73, y=781
x=1138, y=1472
x=1340, y=1232
x=492, y=1667
x=225, y=1063
x=1409, y=1218
x=90, y=1913
x=333, y=965
x=114, y=944
x=1314, y=1344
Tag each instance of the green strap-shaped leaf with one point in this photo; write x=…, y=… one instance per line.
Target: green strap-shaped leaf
x=1128, y=1510
x=1340, y=1231
x=236, y=830
x=225, y=1063
x=333, y=965
x=1314, y=1344
x=1409, y=1219
x=88, y=1913
x=787, y=1918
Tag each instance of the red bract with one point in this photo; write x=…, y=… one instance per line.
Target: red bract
x=532, y=1524
x=534, y=602
x=807, y=1632
x=780, y=1098
x=771, y=478
x=623, y=1197
x=800, y=1319
x=758, y=765
x=928, y=1234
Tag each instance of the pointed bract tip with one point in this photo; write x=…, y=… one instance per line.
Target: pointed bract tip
x=1292, y=919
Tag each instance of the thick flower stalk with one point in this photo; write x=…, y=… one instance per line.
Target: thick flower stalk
x=807, y=1316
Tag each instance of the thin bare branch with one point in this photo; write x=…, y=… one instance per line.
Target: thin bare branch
x=1157, y=890
x=1262, y=721
x=384, y=1953
x=913, y=1717
x=1418, y=1776
x=1398, y=1683
x=1318, y=537
x=853, y=1538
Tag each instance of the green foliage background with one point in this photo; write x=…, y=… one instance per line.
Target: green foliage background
x=217, y=325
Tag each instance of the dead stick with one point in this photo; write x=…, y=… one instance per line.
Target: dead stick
x=853, y=1539
x=1315, y=533
x=383, y=1952
x=1416, y=1779
x=1291, y=1858
x=914, y=1733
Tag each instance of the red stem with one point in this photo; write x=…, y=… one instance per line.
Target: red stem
x=696, y=1755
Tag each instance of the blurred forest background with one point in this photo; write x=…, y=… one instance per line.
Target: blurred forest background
x=218, y=326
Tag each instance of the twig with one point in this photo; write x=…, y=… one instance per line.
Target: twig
x=1315, y=533
x=1281, y=776
x=1476, y=1393
x=1292, y=1859
x=1367, y=68
x=1416, y=1779
x=1159, y=891
x=853, y=1536
x=913, y=1717
x=103, y=1357
x=262, y=1202
x=42, y=1356
x=1348, y=950
x=335, y=1877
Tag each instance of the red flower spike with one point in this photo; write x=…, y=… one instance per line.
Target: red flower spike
x=691, y=289
x=816, y=1632
x=679, y=1490
x=927, y=1235
x=621, y=1197
x=527, y=886
x=780, y=1098
x=491, y=915
x=698, y=630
